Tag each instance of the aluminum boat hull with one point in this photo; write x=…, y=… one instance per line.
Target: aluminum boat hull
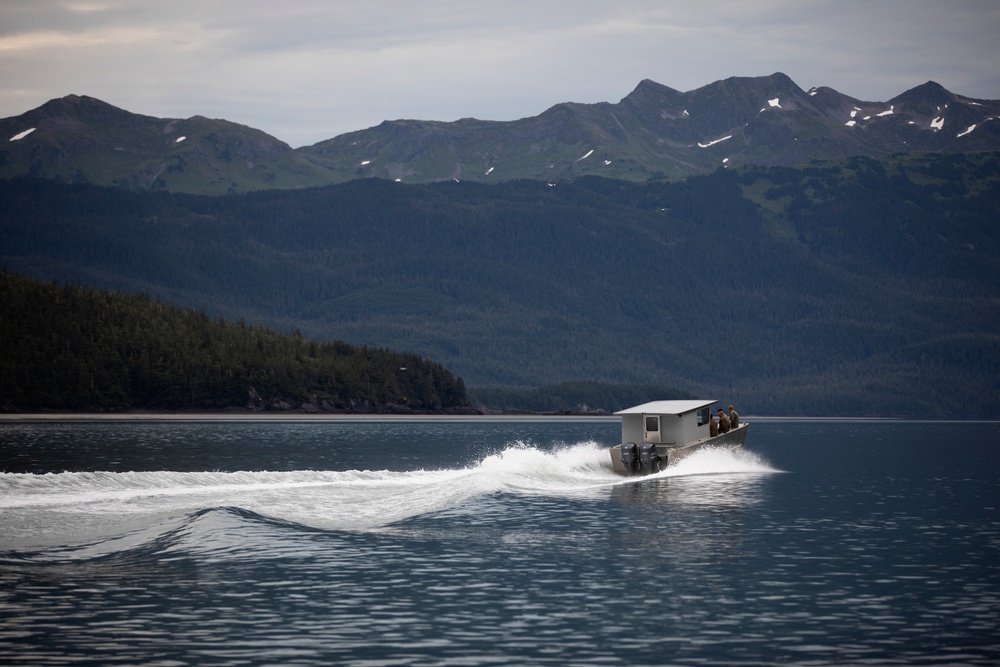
x=670, y=453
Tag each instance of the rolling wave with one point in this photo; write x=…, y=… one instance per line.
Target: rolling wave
x=129, y=508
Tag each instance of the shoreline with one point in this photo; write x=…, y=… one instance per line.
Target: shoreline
x=291, y=417
x=68, y=417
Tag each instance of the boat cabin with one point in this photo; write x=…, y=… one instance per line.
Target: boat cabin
x=658, y=434
x=667, y=422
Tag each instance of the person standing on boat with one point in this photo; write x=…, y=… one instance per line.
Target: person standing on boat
x=713, y=427
x=734, y=418
x=723, y=422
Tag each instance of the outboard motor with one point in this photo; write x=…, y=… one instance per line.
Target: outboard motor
x=649, y=459
x=630, y=457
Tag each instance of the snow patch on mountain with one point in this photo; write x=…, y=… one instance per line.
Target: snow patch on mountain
x=712, y=143
x=588, y=154
x=22, y=135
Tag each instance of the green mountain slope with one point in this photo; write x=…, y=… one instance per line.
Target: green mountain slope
x=860, y=287
x=79, y=139
x=658, y=132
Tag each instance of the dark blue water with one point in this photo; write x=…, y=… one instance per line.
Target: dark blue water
x=495, y=543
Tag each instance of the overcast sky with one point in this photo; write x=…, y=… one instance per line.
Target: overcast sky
x=305, y=71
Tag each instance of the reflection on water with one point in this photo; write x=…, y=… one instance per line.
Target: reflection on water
x=729, y=490
x=686, y=521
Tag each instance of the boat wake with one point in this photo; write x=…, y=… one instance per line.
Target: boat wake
x=77, y=507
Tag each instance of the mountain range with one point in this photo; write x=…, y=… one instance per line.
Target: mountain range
x=795, y=252
x=655, y=132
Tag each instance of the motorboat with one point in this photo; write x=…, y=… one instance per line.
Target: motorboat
x=656, y=435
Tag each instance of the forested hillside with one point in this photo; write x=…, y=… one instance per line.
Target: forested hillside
x=70, y=348
x=861, y=287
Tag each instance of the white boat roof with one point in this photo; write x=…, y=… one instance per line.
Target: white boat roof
x=667, y=407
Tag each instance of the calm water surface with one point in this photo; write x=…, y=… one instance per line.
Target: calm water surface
x=495, y=543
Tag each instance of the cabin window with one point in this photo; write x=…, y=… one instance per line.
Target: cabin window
x=703, y=416
x=652, y=424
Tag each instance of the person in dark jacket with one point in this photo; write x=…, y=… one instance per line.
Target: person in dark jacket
x=723, y=422
x=734, y=418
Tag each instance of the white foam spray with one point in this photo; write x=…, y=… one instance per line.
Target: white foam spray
x=100, y=504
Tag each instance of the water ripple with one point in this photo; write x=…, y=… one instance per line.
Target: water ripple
x=500, y=561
